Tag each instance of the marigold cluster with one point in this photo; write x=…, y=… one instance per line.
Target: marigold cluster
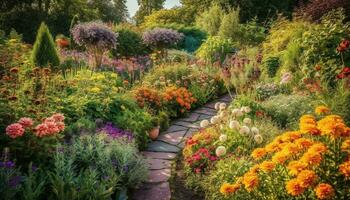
x=147, y=96
x=324, y=191
x=308, y=124
x=228, y=188
x=50, y=126
x=322, y=110
x=181, y=96
x=334, y=126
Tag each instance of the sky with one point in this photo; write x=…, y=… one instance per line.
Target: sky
x=132, y=5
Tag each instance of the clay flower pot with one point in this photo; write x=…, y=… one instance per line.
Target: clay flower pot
x=154, y=133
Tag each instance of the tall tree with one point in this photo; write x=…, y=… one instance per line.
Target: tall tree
x=146, y=8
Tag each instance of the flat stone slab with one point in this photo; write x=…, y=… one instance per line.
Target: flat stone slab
x=161, y=175
x=190, y=132
x=191, y=118
x=205, y=117
x=174, y=128
x=173, y=138
x=159, y=155
x=210, y=105
x=158, y=164
x=156, y=192
x=159, y=146
x=206, y=111
x=186, y=124
x=226, y=99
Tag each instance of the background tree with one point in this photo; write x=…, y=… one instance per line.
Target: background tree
x=147, y=7
x=44, y=51
x=210, y=20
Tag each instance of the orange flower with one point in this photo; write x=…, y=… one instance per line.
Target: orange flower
x=295, y=167
x=227, y=188
x=333, y=125
x=321, y=110
x=345, y=145
x=311, y=158
x=309, y=128
x=303, y=143
x=258, y=153
x=250, y=181
x=324, y=191
x=345, y=169
x=294, y=188
x=267, y=166
x=280, y=157
x=307, y=178
x=318, y=148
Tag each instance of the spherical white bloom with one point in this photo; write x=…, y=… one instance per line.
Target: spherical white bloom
x=220, y=151
x=217, y=106
x=244, y=130
x=247, y=121
x=246, y=109
x=222, y=106
x=221, y=126
x=234, y=111
x=214, y=119
x=223, y=138
x=255, y=130
x=239, y=113
x=258, y=138
x=204, y=123
x=234, y=124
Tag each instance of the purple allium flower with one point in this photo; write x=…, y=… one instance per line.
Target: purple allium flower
x=94, y=34
x=115, y=132
x=162, y=37
x=14, y=181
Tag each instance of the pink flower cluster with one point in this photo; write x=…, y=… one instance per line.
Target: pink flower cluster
x=50, y=126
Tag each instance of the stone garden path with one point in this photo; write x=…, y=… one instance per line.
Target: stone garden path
x=162, y=152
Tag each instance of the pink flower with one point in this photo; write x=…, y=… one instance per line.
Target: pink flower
x=49, y=120
x=52, y=128
x=60, y=126
x=15, y=130
x=41, y=130
x=58, y=117
x=25, y=122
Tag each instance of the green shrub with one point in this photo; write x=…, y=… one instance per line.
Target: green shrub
x=44, y=51
x=129, y=43
x=270, y=66
x=210, y=20
x=169, y=72
x=285, y=110
x=215, y=48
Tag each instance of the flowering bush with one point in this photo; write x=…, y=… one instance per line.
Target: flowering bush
x=115, y=132
x=148, y=97
x=178, y=100
x=160, y=38
x=265, y=91
x=312, y=162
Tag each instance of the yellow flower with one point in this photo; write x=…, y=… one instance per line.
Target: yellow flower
x=334, y=126
x=267, y=166
x=318, y=148
x=345, y=145
x=250, y=181
x=324, y=191
x=311, y=158
x=95, y=90
x=295, y=167
x=345, y=169
x=281, y=157
x=321, y=110
x=307, y=178
x=258, y=153
x=303, y=143
x=294, y=188
x=227, y=188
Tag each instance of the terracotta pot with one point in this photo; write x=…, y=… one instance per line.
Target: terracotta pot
x=154, y=133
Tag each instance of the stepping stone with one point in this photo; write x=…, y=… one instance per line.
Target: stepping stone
x=156, y=192
x=174, y=128
x=186, y=124
x=192, y=118
x=158, y=164
x=226, y=99
x=204, y=117
x=159, y=155
x=210, y=105
x=159, y=146
x=173, y=138
x=182, y=144
x=206, y=111
x=160, y=175
x=190, y=132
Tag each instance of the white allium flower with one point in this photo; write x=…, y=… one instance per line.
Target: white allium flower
x=223, y=138
x=234, y=111
x=234, y=124
x=239, y=113
x=220, y=151
x=255, y=130
x=244, y=130
x=246, y=109
x=204, y=123
x=258, y=138
x=214, y=119
x=247, y=121
x=217, y=106
x=222, y=106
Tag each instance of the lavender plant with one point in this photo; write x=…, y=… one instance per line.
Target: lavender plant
x=96, y=37
x=116, y=132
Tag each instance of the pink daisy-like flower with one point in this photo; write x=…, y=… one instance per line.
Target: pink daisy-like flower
x=58, y=117
x=60, y=126
x=25, y=122
x=49, y=120
x=52, y=128
x=41, y=130
x=15, y=130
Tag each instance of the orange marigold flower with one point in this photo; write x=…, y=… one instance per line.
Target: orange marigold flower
x=227, y=188
x=322, y=110
x=307, y=178
x=258, y=153
x=304, y=142
x=280, y=157
x=345, y=169
x=254, y=169
x=309, y=128
x=333, y=125
x=294, y=188
x=324, y=191
x=290, y=136
x=267, y=166
x=311, y=158
x=318, y=148
x=345, y=145
x=295, y=167
x=291, y=148
x=250, y=181
x=272, y=147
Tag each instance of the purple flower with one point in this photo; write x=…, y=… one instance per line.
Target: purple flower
x=7, y=164
x=125, y=168
x=115, y=132
x=34, y=168
x=14, y=181
x=162, y=37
